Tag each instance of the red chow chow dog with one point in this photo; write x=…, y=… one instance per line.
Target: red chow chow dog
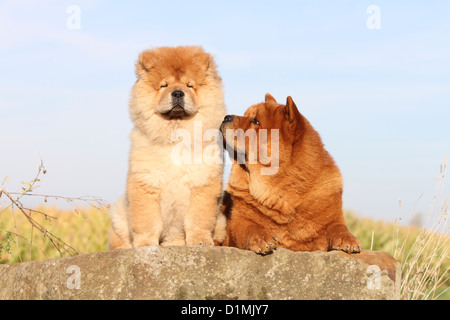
x=298, y=203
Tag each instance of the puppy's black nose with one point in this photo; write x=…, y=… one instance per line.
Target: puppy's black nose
x=228, y=118
x=178, y=94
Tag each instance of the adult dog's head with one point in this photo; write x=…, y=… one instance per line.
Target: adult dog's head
x=265, y=135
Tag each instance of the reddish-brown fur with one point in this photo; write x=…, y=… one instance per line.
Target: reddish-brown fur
x=299, y=207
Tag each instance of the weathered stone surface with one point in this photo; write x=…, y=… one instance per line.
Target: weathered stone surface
x=204, y=273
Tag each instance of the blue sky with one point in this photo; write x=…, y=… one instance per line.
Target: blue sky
x=379, y=98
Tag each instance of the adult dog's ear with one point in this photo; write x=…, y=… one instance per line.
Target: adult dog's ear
x=145, y=62
x=269, y=98
x=291, y=112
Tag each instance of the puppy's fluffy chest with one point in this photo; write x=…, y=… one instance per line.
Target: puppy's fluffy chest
x=154, y=165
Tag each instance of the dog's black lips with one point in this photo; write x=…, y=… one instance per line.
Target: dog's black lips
x=233, y=153
x=236, y=155
x=176, y=111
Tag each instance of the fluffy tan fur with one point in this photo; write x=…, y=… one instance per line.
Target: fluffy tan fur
x=169, y=203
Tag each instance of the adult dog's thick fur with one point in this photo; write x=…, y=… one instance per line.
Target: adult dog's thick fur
x=299, y=206
x=171, y=202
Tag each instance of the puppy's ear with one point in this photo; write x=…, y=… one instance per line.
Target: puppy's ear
x=209, y=65
x=269, y=98
x=291, y=112
x=145, y=62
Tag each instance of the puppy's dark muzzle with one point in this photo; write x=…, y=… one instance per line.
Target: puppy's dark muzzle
x=178, y=99
x=177, y=104
x=177, y=94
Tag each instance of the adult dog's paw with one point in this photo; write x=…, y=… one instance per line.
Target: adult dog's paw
x=344, y=241
x=262, y=242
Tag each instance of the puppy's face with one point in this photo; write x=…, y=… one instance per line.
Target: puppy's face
x=174, y=96
x=172, y=80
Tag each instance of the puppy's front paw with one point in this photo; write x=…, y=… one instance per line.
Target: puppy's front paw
x=143, y=240
x=199, y=240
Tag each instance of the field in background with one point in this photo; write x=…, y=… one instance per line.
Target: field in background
x=84, y=230
x=423, y=253
x=424, y=257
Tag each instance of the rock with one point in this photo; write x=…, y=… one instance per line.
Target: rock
x=204, y=273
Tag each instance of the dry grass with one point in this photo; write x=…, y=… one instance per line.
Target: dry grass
x=24, y=227
x=85, y=230
x=422, y=252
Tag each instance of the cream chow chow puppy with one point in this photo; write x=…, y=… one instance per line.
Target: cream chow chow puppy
x=172, y=194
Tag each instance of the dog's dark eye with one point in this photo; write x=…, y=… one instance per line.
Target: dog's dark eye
x=255, y=121
x=163, y=85
x=189, y=85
